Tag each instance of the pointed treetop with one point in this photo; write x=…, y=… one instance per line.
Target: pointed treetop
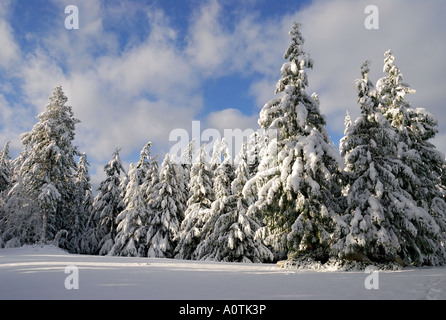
x=392, y=88
x=293, y=71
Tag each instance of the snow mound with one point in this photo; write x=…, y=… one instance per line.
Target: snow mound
x=35, y=249
x=306, y=262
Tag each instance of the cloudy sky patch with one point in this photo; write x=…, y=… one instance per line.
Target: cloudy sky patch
x=136, y=70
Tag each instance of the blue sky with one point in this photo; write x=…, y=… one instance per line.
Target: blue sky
x=136, y=70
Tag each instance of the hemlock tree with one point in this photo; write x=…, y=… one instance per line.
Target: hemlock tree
x=130, y=239
x=82, y=205
x=229, y=233
x=385, y=224
x=167, y=211
x=88, y=242
x=5, y=169
x=202, y=196
x=254, y=153
x=44, y=177
x=144, y=163
x=5, y=185
x=300, y=169
x=151, y=178
x=108, y=203
x=222, y=204
x=415, y=128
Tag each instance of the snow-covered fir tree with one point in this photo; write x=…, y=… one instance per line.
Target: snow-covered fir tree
x=254, y=153
x=223, y=177
x=229, y=233
x=385, y=223
x=151, y=178
x=167, y=208
x=201, y=198
x=183, y=167
x=216, y=155
x=300, y=168
x=5, y=168
x=416, y=128
x=144, y=163
x=88, y=243
x=82, y=206
x=108, y=203
x=42, y=194
x=130, y=238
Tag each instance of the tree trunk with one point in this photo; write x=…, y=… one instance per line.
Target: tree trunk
x=44, y=227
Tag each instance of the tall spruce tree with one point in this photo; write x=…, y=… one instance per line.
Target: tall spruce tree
x=300, y=169
x=223, y=177
x=129, y=240
x=416, y=128
x=144, y=163
x=167, y=208
x=5, y=169
x=198, y=205
x=42, y=194
x=82, y=206
x=108, y=203
x=229, y=234
x=385, y=223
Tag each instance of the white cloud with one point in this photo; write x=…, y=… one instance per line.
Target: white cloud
x=338, y=42
x=9, y=50
x=125, y=96
x=208, y=43
x=231, y=119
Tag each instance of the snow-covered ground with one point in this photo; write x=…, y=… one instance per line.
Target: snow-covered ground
x=32, y=272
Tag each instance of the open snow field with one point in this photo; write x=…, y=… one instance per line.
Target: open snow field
x=32, y=272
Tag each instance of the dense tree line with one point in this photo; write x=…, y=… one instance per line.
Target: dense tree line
x=380, y=198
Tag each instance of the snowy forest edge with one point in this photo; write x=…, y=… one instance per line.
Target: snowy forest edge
x=289, y=194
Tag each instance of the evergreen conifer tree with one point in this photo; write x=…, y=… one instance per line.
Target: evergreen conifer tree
x=132, y=219
x=200, y=200
x=5, y=169
x=300, y=168
x=229, y=233
x=82, y=206
x=385, y=223
x=415, y=127
x=42, y=195
x=108, y=203
x=167, y=211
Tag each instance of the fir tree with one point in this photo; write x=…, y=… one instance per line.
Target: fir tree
x=108, y=203
x=254, y=152
x=5, y=169
x=385, y=224
x=222, y=204
x=144, y=163
x=42, y=194
x=151, y=178
x=300, y=169
x=229, y=232
x=167, y=211
x=82, y=206
x=132, y=219
x=201, y=198
x=415, y=128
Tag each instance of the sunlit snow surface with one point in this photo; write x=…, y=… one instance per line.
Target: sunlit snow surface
x=32, y=272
